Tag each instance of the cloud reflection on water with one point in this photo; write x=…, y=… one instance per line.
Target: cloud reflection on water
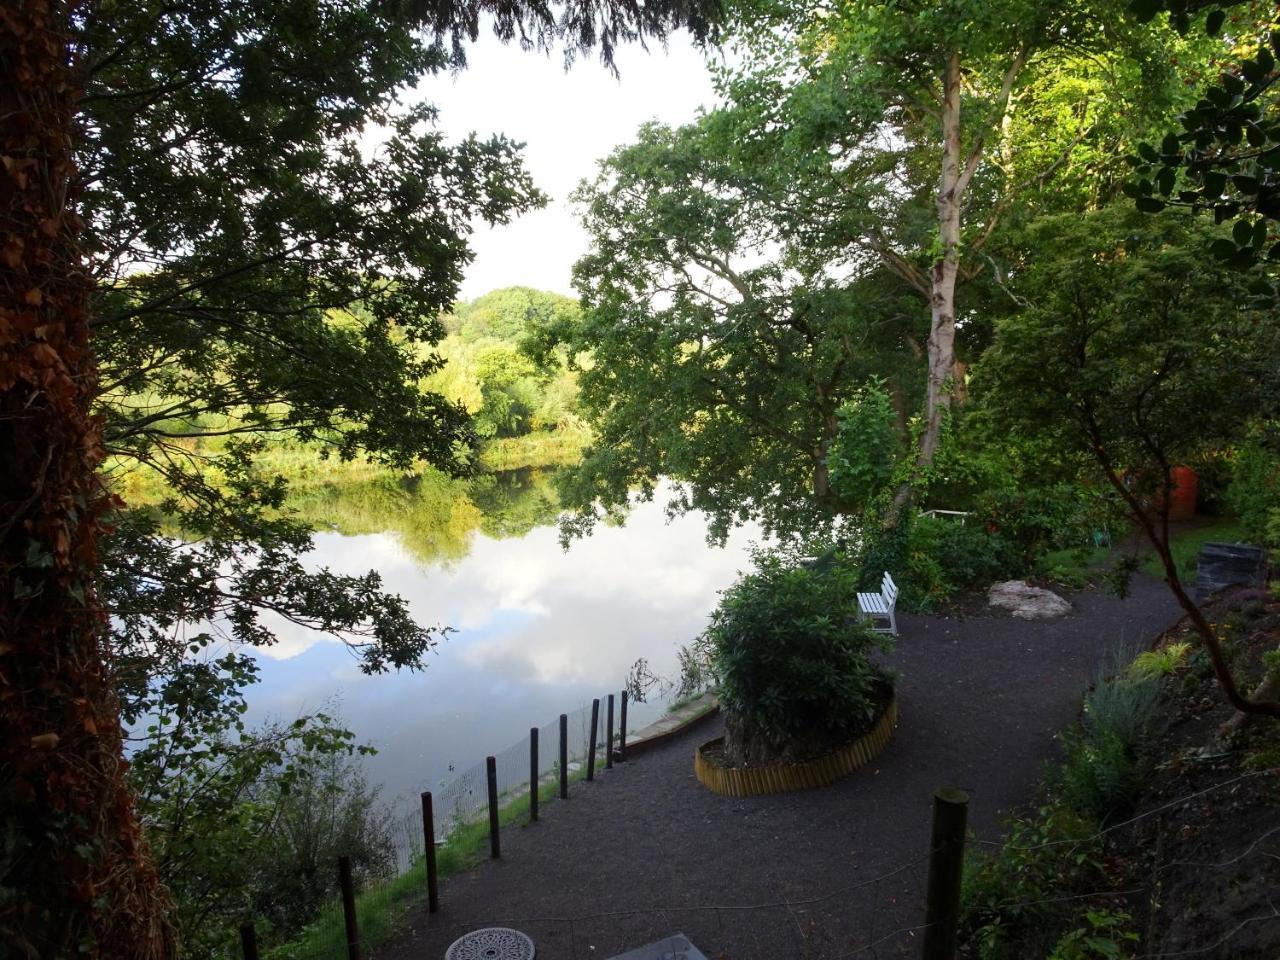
x=539, y=632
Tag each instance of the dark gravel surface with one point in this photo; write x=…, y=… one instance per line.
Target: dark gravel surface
x=646, y=851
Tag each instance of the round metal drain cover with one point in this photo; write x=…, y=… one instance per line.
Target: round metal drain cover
x=491, y=943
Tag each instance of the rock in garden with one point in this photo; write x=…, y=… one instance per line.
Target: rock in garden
x=1027, y=602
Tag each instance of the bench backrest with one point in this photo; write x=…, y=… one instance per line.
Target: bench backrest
x=888, y=589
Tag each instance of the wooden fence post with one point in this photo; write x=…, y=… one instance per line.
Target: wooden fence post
x=564, y=756
x=491, y=774
x=622, y=730
x=533, y=774
x=429, y=849
x=608, y=736
x=946, y=867
x=248, y=941
x=349, y=908
x=591, y=750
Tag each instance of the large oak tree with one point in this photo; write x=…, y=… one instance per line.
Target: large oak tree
x=223, y=209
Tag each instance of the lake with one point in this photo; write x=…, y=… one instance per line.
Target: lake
x=539, y=630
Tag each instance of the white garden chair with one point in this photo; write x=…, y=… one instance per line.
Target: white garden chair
x=881, y=606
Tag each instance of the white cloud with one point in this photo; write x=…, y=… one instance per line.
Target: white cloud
x=568, y=121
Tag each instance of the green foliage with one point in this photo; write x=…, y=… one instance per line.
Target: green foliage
x=499, y=367
x=700, y=361
x=1008, y=898
x=861, y=458
x=516, y=315
x=258, y=274
x=1254, y=491
x=330, y=813
x=791, y=660
x=1108, y=758
x=1038, y=519
x=1225, y=158
x=947, y=555
x=1126, y=339
x=1155, y=664
x=248, y=823
x=1107, y=937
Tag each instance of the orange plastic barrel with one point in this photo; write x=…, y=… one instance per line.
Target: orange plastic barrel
x=1182, y=501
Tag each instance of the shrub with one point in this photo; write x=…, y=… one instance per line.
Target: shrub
x=934, y=558
x=333, y=811
x=792, y=660
x=861, y=459
x=968, y=554
x=1254, y=491
x=1106, y=758
x=1160, y=663
x=1037, y=520
x=1107, y=937
x=1008, y=896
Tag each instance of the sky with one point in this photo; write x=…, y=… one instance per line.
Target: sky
x=569, y=120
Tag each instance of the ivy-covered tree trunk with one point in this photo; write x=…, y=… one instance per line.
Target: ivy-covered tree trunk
x=74, y=876
x=942, y=275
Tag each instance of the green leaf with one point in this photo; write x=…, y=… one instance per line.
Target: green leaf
x=1214, y=183
x=1222, y=248
x=1218, y=97
x=1243, y=260
x=1145, y=10
x=1213, y=22
x=1242, y=233
x=1148, y=153
x=1150, y=204
x=1171, y=146
x=1165, y=180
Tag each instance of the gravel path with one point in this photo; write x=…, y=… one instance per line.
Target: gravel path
x=646, y=851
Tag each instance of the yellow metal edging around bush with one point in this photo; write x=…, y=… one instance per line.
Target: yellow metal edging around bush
x=784, y=778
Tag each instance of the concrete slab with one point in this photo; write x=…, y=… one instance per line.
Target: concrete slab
x=674, y=947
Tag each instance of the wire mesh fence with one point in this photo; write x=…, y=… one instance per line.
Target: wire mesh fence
x=464, y=800
x=863, y=918
x=886, y=915
x=387, y=884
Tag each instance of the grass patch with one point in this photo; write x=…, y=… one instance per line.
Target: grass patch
x=1079, y=566
x=1074, y=567
x=543, y=448
x=1186, y=545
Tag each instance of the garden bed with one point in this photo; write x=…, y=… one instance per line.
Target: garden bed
x=714, y=771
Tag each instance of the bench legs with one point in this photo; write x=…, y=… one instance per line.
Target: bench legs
x=871, y=618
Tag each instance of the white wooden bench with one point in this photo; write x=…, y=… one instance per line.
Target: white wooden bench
x=880, y=606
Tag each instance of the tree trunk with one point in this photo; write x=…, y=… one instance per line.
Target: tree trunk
x=941, y=349
x=942, y=275
x=76, y=881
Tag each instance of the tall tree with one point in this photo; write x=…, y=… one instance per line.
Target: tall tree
x=718, y=356
x=750, y=271
x=75, y=877
x=911, y=112
x=1137, y=355
x=223, y=178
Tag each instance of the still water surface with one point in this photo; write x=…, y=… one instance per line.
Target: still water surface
x=539, y=632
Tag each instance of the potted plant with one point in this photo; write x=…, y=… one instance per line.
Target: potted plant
x=803, y=701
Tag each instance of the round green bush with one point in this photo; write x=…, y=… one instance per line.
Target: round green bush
x=792, y=661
